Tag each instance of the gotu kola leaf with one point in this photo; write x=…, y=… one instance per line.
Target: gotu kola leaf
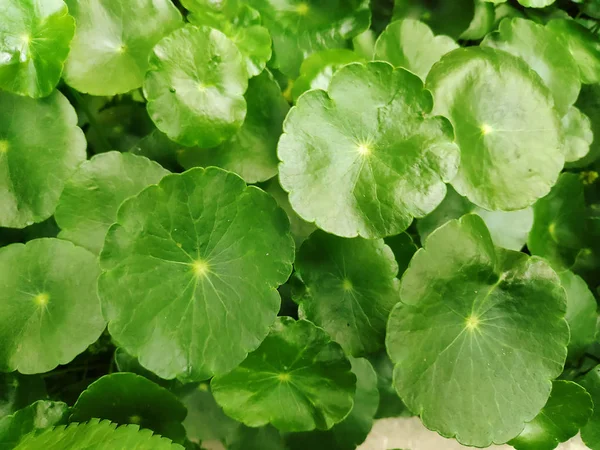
x=590, y=433
x=387, y=160
x=34, y=44
x=192, y=267
x=297, y=364
x=511, y=148
x=485, y=326
x=578, y=134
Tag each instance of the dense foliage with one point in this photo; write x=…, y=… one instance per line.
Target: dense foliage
x=264, y=224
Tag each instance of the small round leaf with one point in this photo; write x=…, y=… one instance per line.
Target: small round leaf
x=388, y=160
x=578, y=134
x=192, y=267
x=297, y=364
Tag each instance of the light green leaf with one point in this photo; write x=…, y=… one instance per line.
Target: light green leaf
x=568, y=409
x=113, y=38
x=584, y=46
x=412, y=45
x=590, y=433
x=511, y=148
x=97, y=435
x=34, y=44
x=351, y=289
x=195, y=87
x=589, y=104
x=545, y=53
x=536, y=3
x=49, y=310
x=443, y=16
x=89, y=202
x=317, y=70
x=353, y=430
x=40, y=147
x=37, y=416
x=388, y=160
x=252, y=151
x=578, y=134
x=485, y=326
x=297, y=364
x=127, y=398
x=482, y=23
x=192, y=267
x=364, y=44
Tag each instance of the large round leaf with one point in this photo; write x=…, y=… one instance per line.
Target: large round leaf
x=568, y=409
x=34, y=44
x=113, y=38
x=590, y=433
x=366, y=171
x=443, y=16
x=544, y=51
x=252, y=151
x=195, y=87
x=49, y=310
x=127, y=398
x=511, y=147
x=302, y=27
x=353, y=430
x=297, y=364
x=40, y=147
x=191, y=268
x=485, y=327
x=352, y=288
x=89, y=202
x=411, y=44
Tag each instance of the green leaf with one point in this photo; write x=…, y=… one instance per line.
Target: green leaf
x=536, y=3
x=482, y=23
x=444, y=17
x=192, y=267
x=317, y=70
x=252, y=151
x=590, y=433
x=302, y=27
x=195, y=87
x=34, y=44
x=127, y=398
x=353, y=430
x=97, y=435
x=578, y=134
x=351, y=289
x=568, y=409
x=560, y=223
x=49, y=310
x=411, y=44
x=240, y=23
x=18, y=391
x=403, y=248
x=390, y=404
x=589, y=104
x=511, y=148
x=89, y=202
x=485, y=326
x=37, y=416
x=109, y=53
x=158, y=147
x=297, y=364
x=388, y=159
x=584, y=46
x=263, y=438
x=35, y=161
x=581, y=314
x=545, y=53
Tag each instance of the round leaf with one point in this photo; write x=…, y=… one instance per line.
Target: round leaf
x=89, y=202
x=127, y=398
x=302, y=27
x=252, y=151
x=297, y=364
x=191, y=268
x=34, y=44
x=195, y=87
x=35, y=162
x=482, y=23
x=351, y=289
x=388, y=159
x=485, y=326
x=544, y=51
x=590, y=433
x=49, y=310
x=578, y=134
x=444, y=17
x=511, y=148
x=353, y=430
x=568, y=409
x=113, y=38
x=536, y=3
x=411, y=44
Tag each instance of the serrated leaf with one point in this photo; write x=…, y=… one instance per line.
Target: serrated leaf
x=485, y=326
x=297, y=364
